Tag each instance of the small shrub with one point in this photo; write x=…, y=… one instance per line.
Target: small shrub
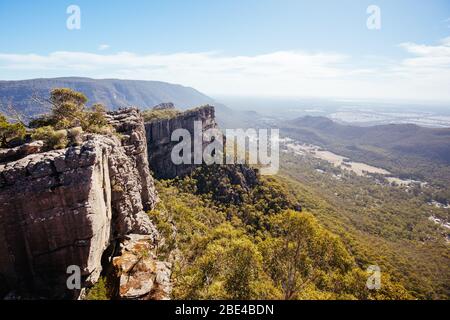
x=69, y=110
x=68, y=119
x=52, y=139
x=42, y=121
x=99, y=291
x=151, y=115
x=74, y=135
x=95, y=120
x=10, y=132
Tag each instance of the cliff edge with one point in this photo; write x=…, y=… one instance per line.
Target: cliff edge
x=79, y=206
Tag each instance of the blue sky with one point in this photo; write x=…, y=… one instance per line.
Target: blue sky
x=264, y=47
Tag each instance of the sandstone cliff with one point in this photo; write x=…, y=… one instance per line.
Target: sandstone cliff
x=159, y=142
x=86, y=206
x=71, y=207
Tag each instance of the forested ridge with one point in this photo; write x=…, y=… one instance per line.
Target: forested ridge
x=380, y=224
x=263, y=246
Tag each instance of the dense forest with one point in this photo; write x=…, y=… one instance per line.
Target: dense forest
x=262, y=246
x=380, y=224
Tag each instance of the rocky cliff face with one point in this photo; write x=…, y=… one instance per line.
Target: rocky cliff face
x=84, y=206
x=159, y=142
x=70, y=207
x=129, y=124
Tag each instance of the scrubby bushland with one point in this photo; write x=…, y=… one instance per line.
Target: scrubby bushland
x=53, y=139
x=258, y=248
x=68, y=118
x=10, y=132
x=151, y=115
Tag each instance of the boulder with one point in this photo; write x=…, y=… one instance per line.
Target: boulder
x=12, y=154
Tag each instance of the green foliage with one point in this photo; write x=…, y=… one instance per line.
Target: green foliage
x=238, y=189
x=42, y=121
x=380, y=224
x=228, y=266
x=151, y=115
x=68, y=108
x=225, y=184
x=272, y=196
x=408, y=151
x=69, y=113
x=300, y=251
x=10, y=132
x=60, y=96
x=99, y=291
x=95, y=120
x=53, y=139
x=278, y=254
x=162, y=219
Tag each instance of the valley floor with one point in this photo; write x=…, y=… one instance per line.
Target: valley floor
x=392, y=226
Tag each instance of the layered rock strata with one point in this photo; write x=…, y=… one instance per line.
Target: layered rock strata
x=66, y=207
x=159, y=133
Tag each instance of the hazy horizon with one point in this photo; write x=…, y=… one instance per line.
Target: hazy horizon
x=262, y=97
x=256, y=48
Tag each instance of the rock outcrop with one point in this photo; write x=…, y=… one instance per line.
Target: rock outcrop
x=141, y=276
x=67, y=207
x=226, y=183
x=129, y=124
x=12, y=154
x=85, y=207
x=159, y=132
x=164, y=106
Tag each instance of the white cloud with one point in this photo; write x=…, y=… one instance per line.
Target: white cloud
x=425, y=74
x=103, y=47
x=431, y=61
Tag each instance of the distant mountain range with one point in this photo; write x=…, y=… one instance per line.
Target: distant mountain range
x=411, y=139
x=112, y=93
x=401, y=148
x=370, y=142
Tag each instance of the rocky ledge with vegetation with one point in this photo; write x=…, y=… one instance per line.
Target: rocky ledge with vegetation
x=75, y=191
